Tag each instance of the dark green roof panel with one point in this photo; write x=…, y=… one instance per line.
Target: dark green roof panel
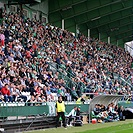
x=113, y=18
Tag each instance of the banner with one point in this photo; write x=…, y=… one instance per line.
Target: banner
x=52, y=109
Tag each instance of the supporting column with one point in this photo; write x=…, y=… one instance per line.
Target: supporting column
x=63, y=24
x=37, y=15
x=7, y=8
x=99, y=36
x=77, y=31
x=109, y=40
x=89, y=33
x=117, y=43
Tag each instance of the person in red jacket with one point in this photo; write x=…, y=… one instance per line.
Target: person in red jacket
x=6, y=93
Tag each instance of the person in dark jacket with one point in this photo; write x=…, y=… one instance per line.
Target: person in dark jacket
x=78, y=113
x=120, y=112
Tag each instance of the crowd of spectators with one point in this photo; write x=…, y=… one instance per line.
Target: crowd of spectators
x=37, y=58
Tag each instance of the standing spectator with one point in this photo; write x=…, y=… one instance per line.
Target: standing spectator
x=61, y=92
x=74, y=94
x=2, y=39
x=6, y=93
x=6, y=33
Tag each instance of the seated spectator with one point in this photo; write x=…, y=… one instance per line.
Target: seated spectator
x=1, y=98
x=6, y=93
x=116, y=108
x=103, y=114
x=43, y=98
x=43, y=92
x=1, y=83
x=68, y=96
x=96, y=109
x=16, y=94
x=49, y=94
x=32, y=101
x=103, y=108
x=78, y=114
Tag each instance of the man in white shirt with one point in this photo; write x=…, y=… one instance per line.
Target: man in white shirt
x=72, y=115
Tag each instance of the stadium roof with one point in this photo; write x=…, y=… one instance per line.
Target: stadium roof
x=114, y=18
x=23, y=1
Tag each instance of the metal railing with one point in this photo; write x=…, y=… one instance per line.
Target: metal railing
x=65, y=77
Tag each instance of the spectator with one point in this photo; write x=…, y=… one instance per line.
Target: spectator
x=32, y=101
x=32, y=52
x=96, y=109
x=6, y=93
x=2, y=39
x=49, y=94
x=74, y=94
x=61, y=92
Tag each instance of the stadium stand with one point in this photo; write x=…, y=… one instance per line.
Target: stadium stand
x=43, y=62
x=39, y=62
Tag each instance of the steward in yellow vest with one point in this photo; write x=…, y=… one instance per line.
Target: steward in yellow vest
x=60, y=111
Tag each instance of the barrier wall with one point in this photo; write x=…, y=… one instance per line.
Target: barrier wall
x=83, y=107
x=48, y=109
x=20, y=109
x=23, y=110
x=126, y=104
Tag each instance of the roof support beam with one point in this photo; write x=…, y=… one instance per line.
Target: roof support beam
x=112, y=21
x=124, y=33
x=127, y=38
x=103, y=25
x=109, y=30
x=73, y=3
x=119, y=10
x=98, y=7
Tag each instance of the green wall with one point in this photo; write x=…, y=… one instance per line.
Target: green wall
x=6, y=111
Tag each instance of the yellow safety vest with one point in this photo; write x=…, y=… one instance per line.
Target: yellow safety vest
x=60, y=107
x=78, y=101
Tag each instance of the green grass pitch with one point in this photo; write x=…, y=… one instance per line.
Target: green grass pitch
x=112, y=127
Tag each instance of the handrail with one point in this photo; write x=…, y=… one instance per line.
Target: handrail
x=121, y=78
x=71, y=74
x=129, y=46
x=63, y=75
